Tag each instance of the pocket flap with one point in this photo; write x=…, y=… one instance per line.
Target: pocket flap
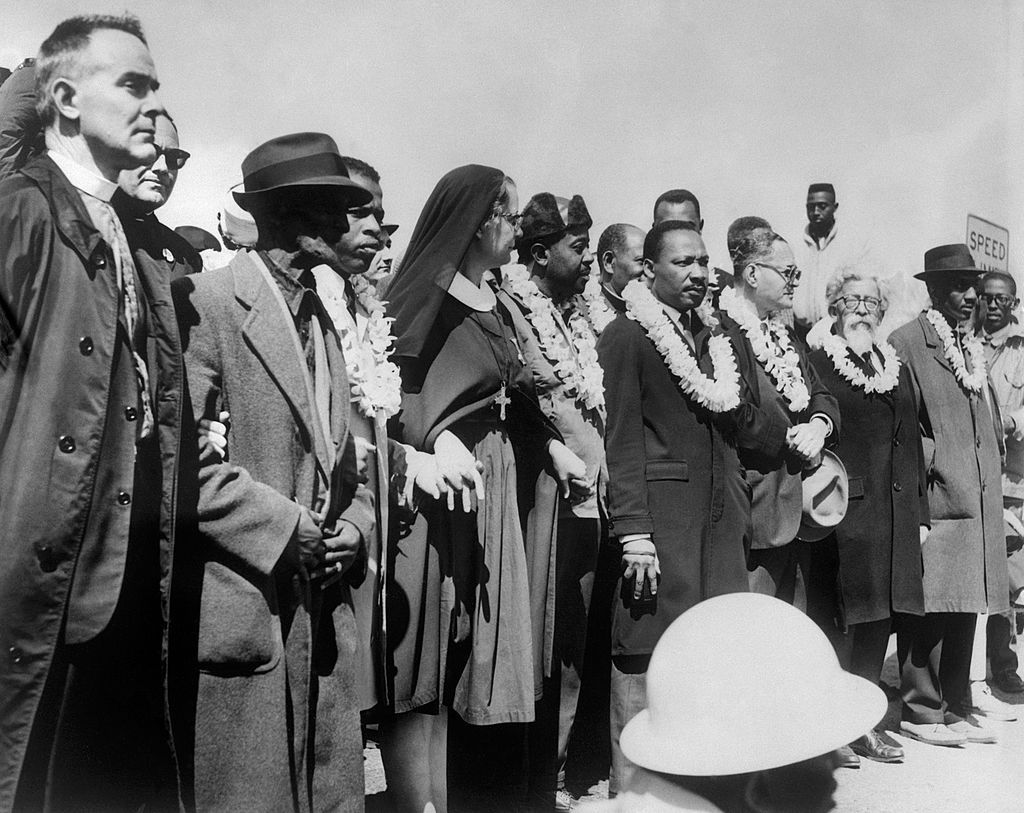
x=855, y=488
x=667, y=470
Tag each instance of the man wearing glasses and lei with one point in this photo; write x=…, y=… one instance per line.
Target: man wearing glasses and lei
x=785, y=415
x=869, y=568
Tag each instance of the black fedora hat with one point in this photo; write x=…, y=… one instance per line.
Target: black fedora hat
x=952, y=259
x=297, y=160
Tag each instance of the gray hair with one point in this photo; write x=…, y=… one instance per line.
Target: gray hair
x=845, y=274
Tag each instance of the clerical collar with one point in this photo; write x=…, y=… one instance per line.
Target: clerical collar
x=84, y=180
x=479, y=299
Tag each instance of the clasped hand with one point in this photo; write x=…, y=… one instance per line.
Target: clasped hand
x=571, y=473
x=807, y=440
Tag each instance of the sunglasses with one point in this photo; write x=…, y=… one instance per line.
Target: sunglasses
x=174, y=157
x=791, y=274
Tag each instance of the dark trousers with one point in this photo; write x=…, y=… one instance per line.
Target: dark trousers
x=99, y=740
x=1001, y=634
x=628, y=699
x=781, y=572
x=575, y=564
x=935, y=665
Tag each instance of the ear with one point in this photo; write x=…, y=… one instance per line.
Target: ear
x=700, y=226
x=539, y=254
x=606, y=260
x=749, y=275
x=835, y=206
x=833, y=311
x=63, y=93
x=648, y=269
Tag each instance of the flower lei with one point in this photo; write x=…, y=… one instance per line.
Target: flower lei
x=599, y=313
x=973, y=381
x=779, y=358
x=884, y=381
x=580, y=372
x=718, y=394
x=374, y=380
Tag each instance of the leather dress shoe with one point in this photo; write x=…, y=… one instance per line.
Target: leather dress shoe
x=1008, y=682
x=932, y=733
x=872, y=746
x=975, y=729
x=845, y=758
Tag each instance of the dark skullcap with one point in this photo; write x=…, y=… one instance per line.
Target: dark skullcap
x=546, y=215
x=821, y=187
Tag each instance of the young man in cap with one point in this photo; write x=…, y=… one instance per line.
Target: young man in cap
x=825, y=250
x=761, y=741
x=90, y=382
x=620, y=260
x=1002, y=338
x=283, y=521
x=786, y=413
x=677, y=504
x=965, y=553
x=559, y=347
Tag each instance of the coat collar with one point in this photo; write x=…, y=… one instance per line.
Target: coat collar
x=69, y=213
x=932, y=341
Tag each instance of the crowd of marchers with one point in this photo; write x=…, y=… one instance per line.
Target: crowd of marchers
x=266, y=495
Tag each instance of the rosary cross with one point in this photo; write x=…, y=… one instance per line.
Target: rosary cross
x=502, y=400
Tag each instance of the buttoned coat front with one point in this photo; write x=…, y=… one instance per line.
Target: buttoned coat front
x=266, y=640
x=965, y=553
x=59, y=305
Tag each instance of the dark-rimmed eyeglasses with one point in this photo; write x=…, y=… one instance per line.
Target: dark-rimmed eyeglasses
x=174, y=157
x=851, y=303
x=999, y=300
x=512, y=218
x=791, y=274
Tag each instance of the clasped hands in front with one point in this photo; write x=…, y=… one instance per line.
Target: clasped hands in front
x=807, y=440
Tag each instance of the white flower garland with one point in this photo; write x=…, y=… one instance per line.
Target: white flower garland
x=720, y=394
x=375, y=382
x=599, y=313
x=973, y=381
x=580, y=372
x=779, y=358
x=885, y=380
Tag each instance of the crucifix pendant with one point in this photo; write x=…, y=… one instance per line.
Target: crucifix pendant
x=502, y=400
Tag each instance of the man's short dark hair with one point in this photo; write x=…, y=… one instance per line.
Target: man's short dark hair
x=749, y=238
x=612, y=239
x=1001, y=276
x=655, y=239
x=677, y=196
x=357, y=167
x=69, y=38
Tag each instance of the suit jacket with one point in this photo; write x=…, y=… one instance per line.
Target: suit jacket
x=59, y=353
x=261, y=630
x=671, y=474
x=877, y=542
x=965, y=553
x=761, y=422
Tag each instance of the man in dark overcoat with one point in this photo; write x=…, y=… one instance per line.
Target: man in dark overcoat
x=870, y=567
x=283, y=518
x=90, y=407
x=786, y=414
x=964, y=555
x=677, y=507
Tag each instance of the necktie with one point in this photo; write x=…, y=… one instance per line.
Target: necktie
x=125, y=265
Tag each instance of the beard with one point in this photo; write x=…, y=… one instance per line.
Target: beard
x=860, y=337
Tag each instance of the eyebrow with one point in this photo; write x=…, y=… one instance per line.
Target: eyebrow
x=151, y=80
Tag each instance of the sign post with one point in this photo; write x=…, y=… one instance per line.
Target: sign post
x=989, y=244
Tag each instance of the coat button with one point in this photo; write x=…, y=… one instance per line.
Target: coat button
x=897, y=486
x=48, y=561
x=895, y=441
x=15, y=653
x=85, y=345
x=66, y=444
x=130, y=413
x=99, y=261
x=123, y=498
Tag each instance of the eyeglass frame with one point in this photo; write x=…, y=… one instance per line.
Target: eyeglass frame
x=872, y=304
x=512, y=218
x=1001, y=300
x=169, y=152
x=791, y=279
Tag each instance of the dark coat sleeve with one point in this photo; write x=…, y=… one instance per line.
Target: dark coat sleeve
x=619, y=353
x=20, y=128
x=822, y=401
x=756, y=428
x=247, y=521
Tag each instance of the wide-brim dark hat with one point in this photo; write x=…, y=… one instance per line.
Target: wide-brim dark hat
x=390, y=228
x=954, y=258
x=546, y=215
x=297, y=160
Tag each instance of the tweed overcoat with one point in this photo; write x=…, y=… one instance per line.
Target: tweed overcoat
x=59, y=307
x=878, y=542
x=264, y=636
x=965, y=553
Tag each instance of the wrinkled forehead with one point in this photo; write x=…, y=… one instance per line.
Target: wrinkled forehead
x=861, y=287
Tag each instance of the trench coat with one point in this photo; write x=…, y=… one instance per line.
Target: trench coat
x=265, y=640
x=671, y=474
x=965, y=553
x=877, y=542
x=58, y=319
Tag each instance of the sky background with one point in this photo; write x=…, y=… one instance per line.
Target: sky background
x=913, y=109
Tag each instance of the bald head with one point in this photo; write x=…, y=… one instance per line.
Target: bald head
x=620, y=255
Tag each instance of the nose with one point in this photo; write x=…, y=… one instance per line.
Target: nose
x=588, y=258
